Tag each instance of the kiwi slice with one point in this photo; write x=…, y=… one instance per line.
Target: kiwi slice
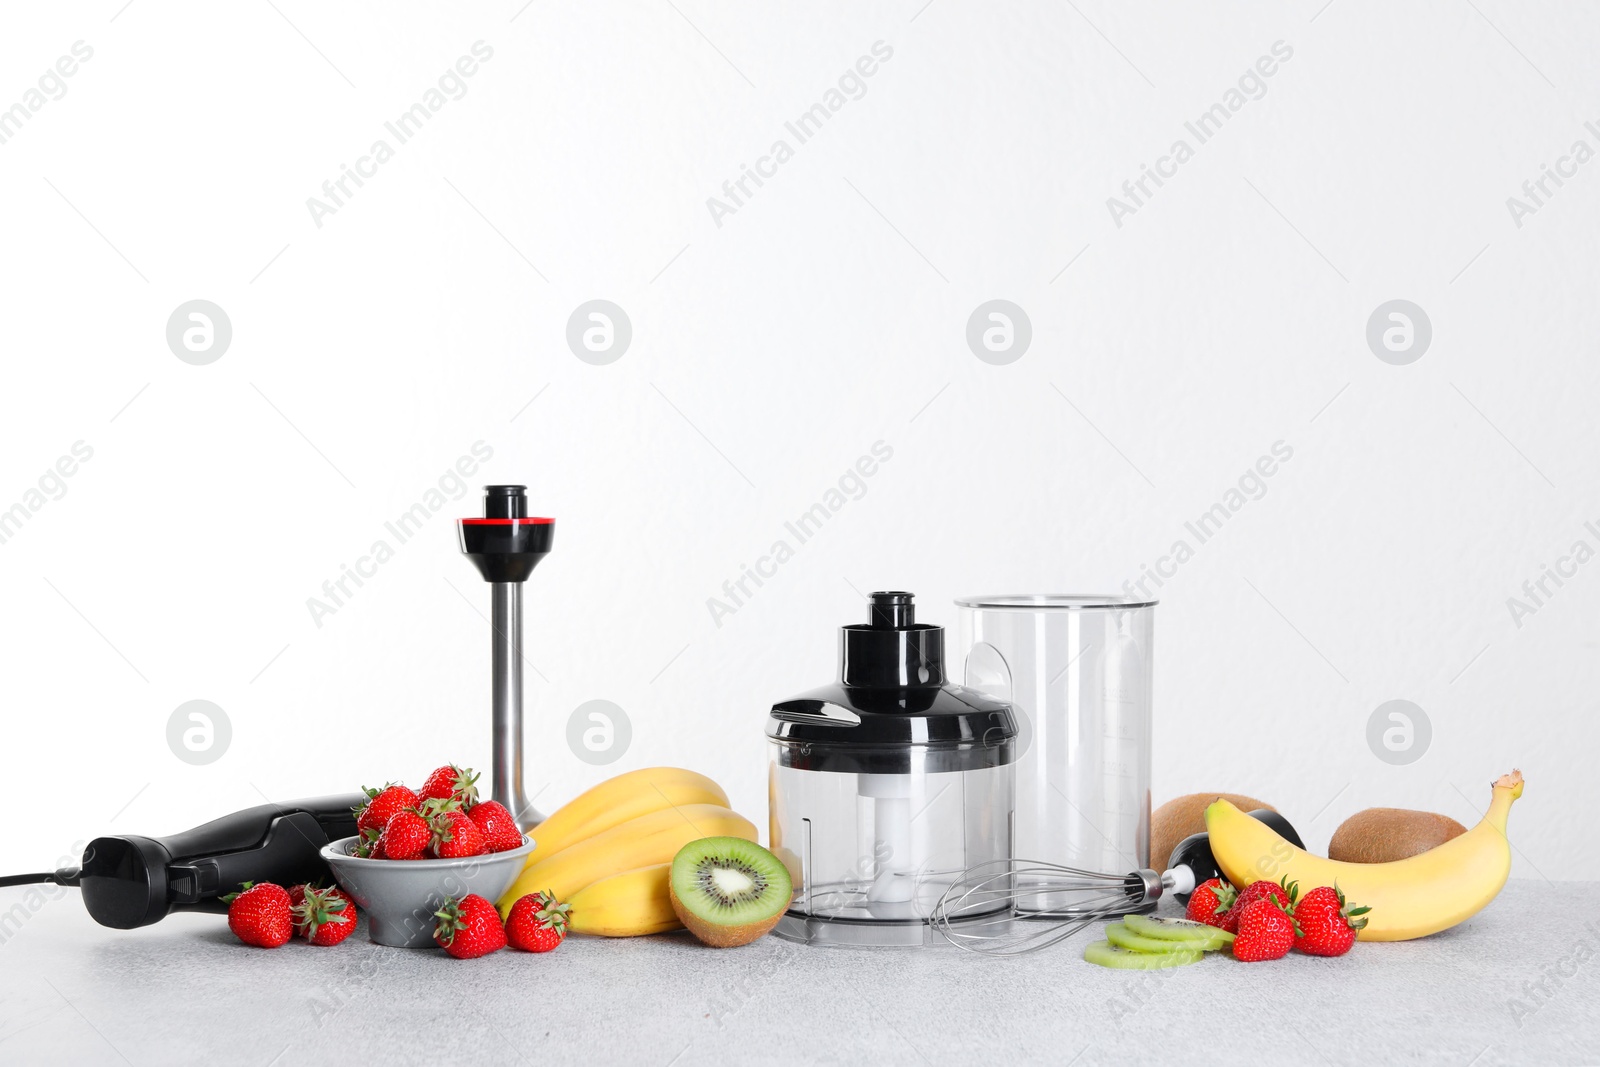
x=1105, y=954
x=728, y=891
x=1186, y=932
x=1122, y=937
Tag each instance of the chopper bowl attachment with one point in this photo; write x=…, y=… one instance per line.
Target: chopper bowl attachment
x=506, y=544
x=886, y=785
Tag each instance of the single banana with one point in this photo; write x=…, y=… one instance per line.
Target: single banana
x=642, y=842
x=626, y=905
x=1409, y=898
x=616, y=800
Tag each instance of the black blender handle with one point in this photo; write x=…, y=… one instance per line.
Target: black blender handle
x=1194, y=851
x=334, y=817
x=133, y=881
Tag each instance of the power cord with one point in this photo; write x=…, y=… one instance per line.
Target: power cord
x=67, y=876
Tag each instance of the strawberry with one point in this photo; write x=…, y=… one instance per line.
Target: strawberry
x=406, y=836
x=455, y=835
x=1212, y=904
x=1327, y=924
x=322, y=916
x=500, y=830
x=469, y=927
x=1266, y=931
x=367, y=843
x=451, y=783
x=1283, y=891
x=383, y=803
x=259, y=914
x=536, y=923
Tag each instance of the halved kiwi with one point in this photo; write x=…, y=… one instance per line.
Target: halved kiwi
x=1106, y=954
x=1184, y=932
x=728, y=891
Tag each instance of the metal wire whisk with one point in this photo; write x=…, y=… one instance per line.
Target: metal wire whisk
x=1011, y=907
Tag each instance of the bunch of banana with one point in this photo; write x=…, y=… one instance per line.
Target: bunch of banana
x=627, y=904
x=608, y=851
x=1409, y=898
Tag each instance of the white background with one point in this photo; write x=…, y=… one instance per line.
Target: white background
x=769, y=353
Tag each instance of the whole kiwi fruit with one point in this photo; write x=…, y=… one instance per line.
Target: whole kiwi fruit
x=1378, y=835
x=1185, y=815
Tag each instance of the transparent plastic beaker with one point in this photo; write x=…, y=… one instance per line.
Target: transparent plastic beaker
x=1077, y=671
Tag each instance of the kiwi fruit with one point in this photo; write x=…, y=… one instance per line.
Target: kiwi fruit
x=1106, y=954
x=1122, y=937
x=1185, y=815
x=1379, y=835
x=728, y=891
x=1184, y=932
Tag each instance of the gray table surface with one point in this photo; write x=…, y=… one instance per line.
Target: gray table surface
x=1516, y=984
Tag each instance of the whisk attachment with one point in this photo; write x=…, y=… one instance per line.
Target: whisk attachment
x=1011, y=907
x=1015, y=906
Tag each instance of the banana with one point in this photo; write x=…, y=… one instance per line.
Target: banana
x=626, y=905
x=616, y=800
x=1409, y=898
x=642, y=842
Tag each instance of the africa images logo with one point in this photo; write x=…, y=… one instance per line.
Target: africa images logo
x=451, y=85
x=1251, y=85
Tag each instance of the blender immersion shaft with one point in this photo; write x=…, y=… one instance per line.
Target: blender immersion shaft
x=507, y=786
x=505, y=544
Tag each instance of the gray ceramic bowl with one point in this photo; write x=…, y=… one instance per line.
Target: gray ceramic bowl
x=399, y=897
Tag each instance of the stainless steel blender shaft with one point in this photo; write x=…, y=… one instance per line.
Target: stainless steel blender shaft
x=505, y=545
x=507, y=781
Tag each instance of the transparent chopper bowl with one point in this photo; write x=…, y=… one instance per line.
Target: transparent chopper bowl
x=870, y=854
x=1077, y=670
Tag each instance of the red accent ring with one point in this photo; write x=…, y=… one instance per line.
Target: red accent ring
x=505, y=522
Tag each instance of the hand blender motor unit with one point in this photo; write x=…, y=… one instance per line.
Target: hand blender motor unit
x=133, y=881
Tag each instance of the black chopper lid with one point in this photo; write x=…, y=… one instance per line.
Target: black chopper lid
x=891, y=710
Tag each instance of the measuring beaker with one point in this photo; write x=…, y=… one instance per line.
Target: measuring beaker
x=1076, y=670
